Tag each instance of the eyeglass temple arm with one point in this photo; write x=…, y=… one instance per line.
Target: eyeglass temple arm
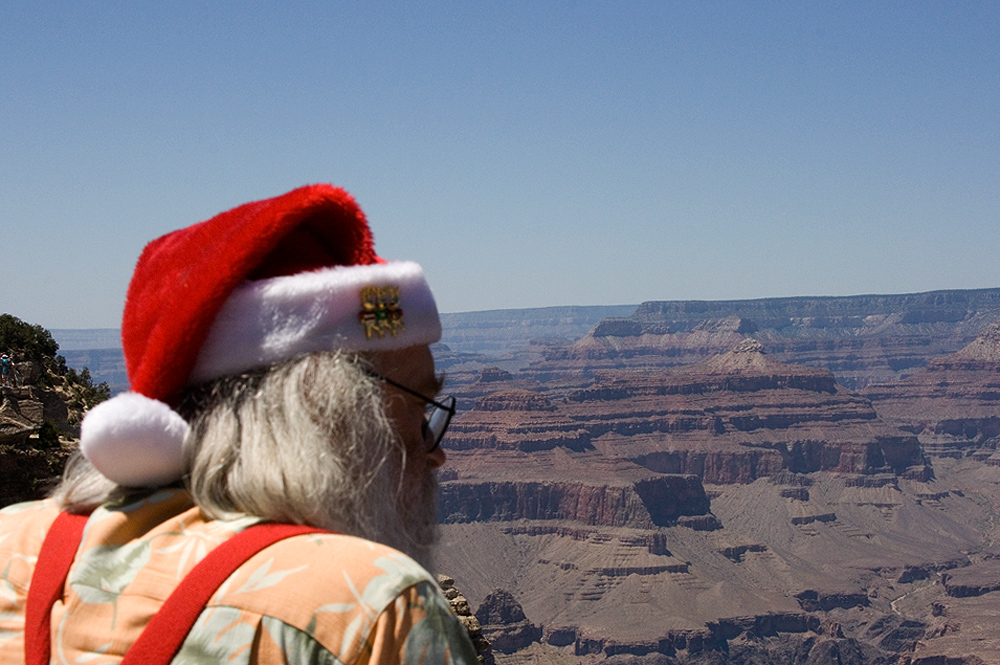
x=377, y=375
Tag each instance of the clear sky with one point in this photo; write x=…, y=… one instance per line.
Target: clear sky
x=526, y=153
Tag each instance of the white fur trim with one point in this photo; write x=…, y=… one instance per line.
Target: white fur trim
x=134, y=441
x=270, y=320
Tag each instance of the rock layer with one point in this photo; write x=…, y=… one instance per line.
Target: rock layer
x=861, y=339
x=658, y=500
x=691, y=493
x=953, y=405
x=733, y=418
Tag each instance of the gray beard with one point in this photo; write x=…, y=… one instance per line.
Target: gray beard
x=415, y=530
x=421, y=522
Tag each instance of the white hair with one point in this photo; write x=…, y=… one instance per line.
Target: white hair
x=305, y=442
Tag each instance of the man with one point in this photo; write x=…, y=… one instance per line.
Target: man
x=280, y=372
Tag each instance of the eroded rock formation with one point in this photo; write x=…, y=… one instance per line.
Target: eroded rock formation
x=29, y=466
x=23, y=410
x=504, y=623
x=732, y=418
x=861, y=339
x=781, y=519
x=460, y=607
x=953, y=405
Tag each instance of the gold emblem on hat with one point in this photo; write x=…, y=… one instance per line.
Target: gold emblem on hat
x=380, y=311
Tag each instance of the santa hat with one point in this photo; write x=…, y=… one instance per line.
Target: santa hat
x=253, y=286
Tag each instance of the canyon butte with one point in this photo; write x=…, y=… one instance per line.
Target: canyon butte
x=782, y=481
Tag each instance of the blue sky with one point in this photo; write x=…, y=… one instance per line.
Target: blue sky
x=526, y=153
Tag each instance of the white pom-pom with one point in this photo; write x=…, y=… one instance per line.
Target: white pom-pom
x=134, y=440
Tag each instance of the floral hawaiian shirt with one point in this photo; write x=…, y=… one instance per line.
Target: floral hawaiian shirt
x=308, y=599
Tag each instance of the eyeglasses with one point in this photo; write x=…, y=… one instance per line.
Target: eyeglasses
x=438, y=415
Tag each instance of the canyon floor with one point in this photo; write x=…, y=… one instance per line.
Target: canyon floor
x=906, y=565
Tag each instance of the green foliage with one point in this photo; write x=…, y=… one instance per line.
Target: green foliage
x=84, y=394
x=48, y=435
x=26, y=341
x=35, y=343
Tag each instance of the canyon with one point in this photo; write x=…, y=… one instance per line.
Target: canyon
x=788, y=480
x=706, y=490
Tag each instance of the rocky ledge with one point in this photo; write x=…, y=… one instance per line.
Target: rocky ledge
x=732, y=418
x=656, y=500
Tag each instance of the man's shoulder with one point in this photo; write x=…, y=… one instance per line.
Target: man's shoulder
x=22, y=529
x=335, y=590
x=30, y=520
x=323, y=569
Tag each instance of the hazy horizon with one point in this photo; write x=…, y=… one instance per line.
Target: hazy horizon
x=65, y=336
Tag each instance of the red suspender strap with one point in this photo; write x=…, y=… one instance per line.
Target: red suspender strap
x=47, y=582
x=166, y=631
x=164, y=634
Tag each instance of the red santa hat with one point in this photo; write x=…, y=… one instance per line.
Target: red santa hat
x=251, y=287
